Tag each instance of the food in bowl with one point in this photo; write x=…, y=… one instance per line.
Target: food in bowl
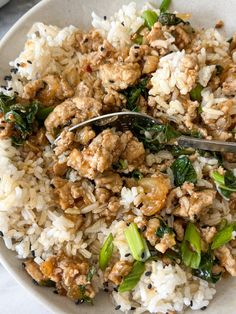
x=130, y=213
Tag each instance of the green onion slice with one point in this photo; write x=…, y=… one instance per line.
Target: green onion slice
x=222, y=237
x=137, y=243
x=106, y=252
x=150, y=17
x=165, y=5
x=131, y=280
x=191, y=247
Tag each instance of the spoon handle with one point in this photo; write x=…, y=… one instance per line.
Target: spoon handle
x=211, y=145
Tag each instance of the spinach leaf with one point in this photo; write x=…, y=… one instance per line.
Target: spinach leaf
x=133, y=94
x=153, y=136
x=163, y=229
x=169, y=19
x=165, y=5
x=22, y=116
x=204, y=270
x=183, y=171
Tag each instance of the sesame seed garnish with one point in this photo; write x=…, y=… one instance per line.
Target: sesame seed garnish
x=8, y=78
x=55, y=292
x=1, y=234
x=30, y=62
x=111, y=81
x=18, y=64
x=10, y=88
x=105, y=290
x=148, y=273
x=14, y=70
x=102, y=48
x=105, y=283
x=122, y=23
x=203, y=308
x=117, y=307
x=132, y=308
x=136, y=47
x=115, y=289
x=104, y=17
x=149, y=286
x=127, y=254
x=191, y=303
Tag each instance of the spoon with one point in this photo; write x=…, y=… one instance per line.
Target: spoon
x=123, y=121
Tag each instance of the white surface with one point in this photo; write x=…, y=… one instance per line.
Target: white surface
x=78, y=12
x=14, y=299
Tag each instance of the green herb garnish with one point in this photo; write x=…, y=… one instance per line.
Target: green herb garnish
x=131, y=280
x=191, y=247
x=150, y=17
x=165, y=5
x=137, y=243
x=136, y=174
x=183, y=171
x=133, y=94
x=204, y=270
x=169, y=19
x=163, y=229
x=106, y=252
x=195, y=93
x=226, y=184
x=153, y=136
x=91, y=273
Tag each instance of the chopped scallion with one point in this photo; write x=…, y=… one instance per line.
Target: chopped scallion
x=222, y=237
x=106, y=252
x=150, y=17
x=165, y=5
x=137, y=243
x=131, y=280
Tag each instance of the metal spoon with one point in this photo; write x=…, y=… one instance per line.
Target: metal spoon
x=123, y=121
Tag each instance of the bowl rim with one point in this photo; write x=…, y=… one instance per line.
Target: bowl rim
x=26, y=284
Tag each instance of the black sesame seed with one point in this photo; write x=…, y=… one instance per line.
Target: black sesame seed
x=33, y=253
x=55, y=292
x=127, y=254
x=106, y=290
x=203, y=308
x=117, y=307
x=136, y=47
x=143, y=255
x=102, y=48
x=149, y=286
x=144, y=228
x=115, y=289
x=10, y=88
x=111, y=81
x=104, y=17
x=148, y=273
x=191, y=303
x=8, y=78
x=18, y=80
x=105, y=284
x=4, y=87
x=18, y=64
x=86, y=40
x=30, y=62
x=1, y=234
x=132, y=308
x=122, y=23
x=14, y=70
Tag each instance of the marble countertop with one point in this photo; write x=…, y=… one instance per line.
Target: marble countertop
x=13, y=298
x=12, y=11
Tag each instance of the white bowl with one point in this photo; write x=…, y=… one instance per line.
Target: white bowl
x=3, y=2
x=78, y=12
